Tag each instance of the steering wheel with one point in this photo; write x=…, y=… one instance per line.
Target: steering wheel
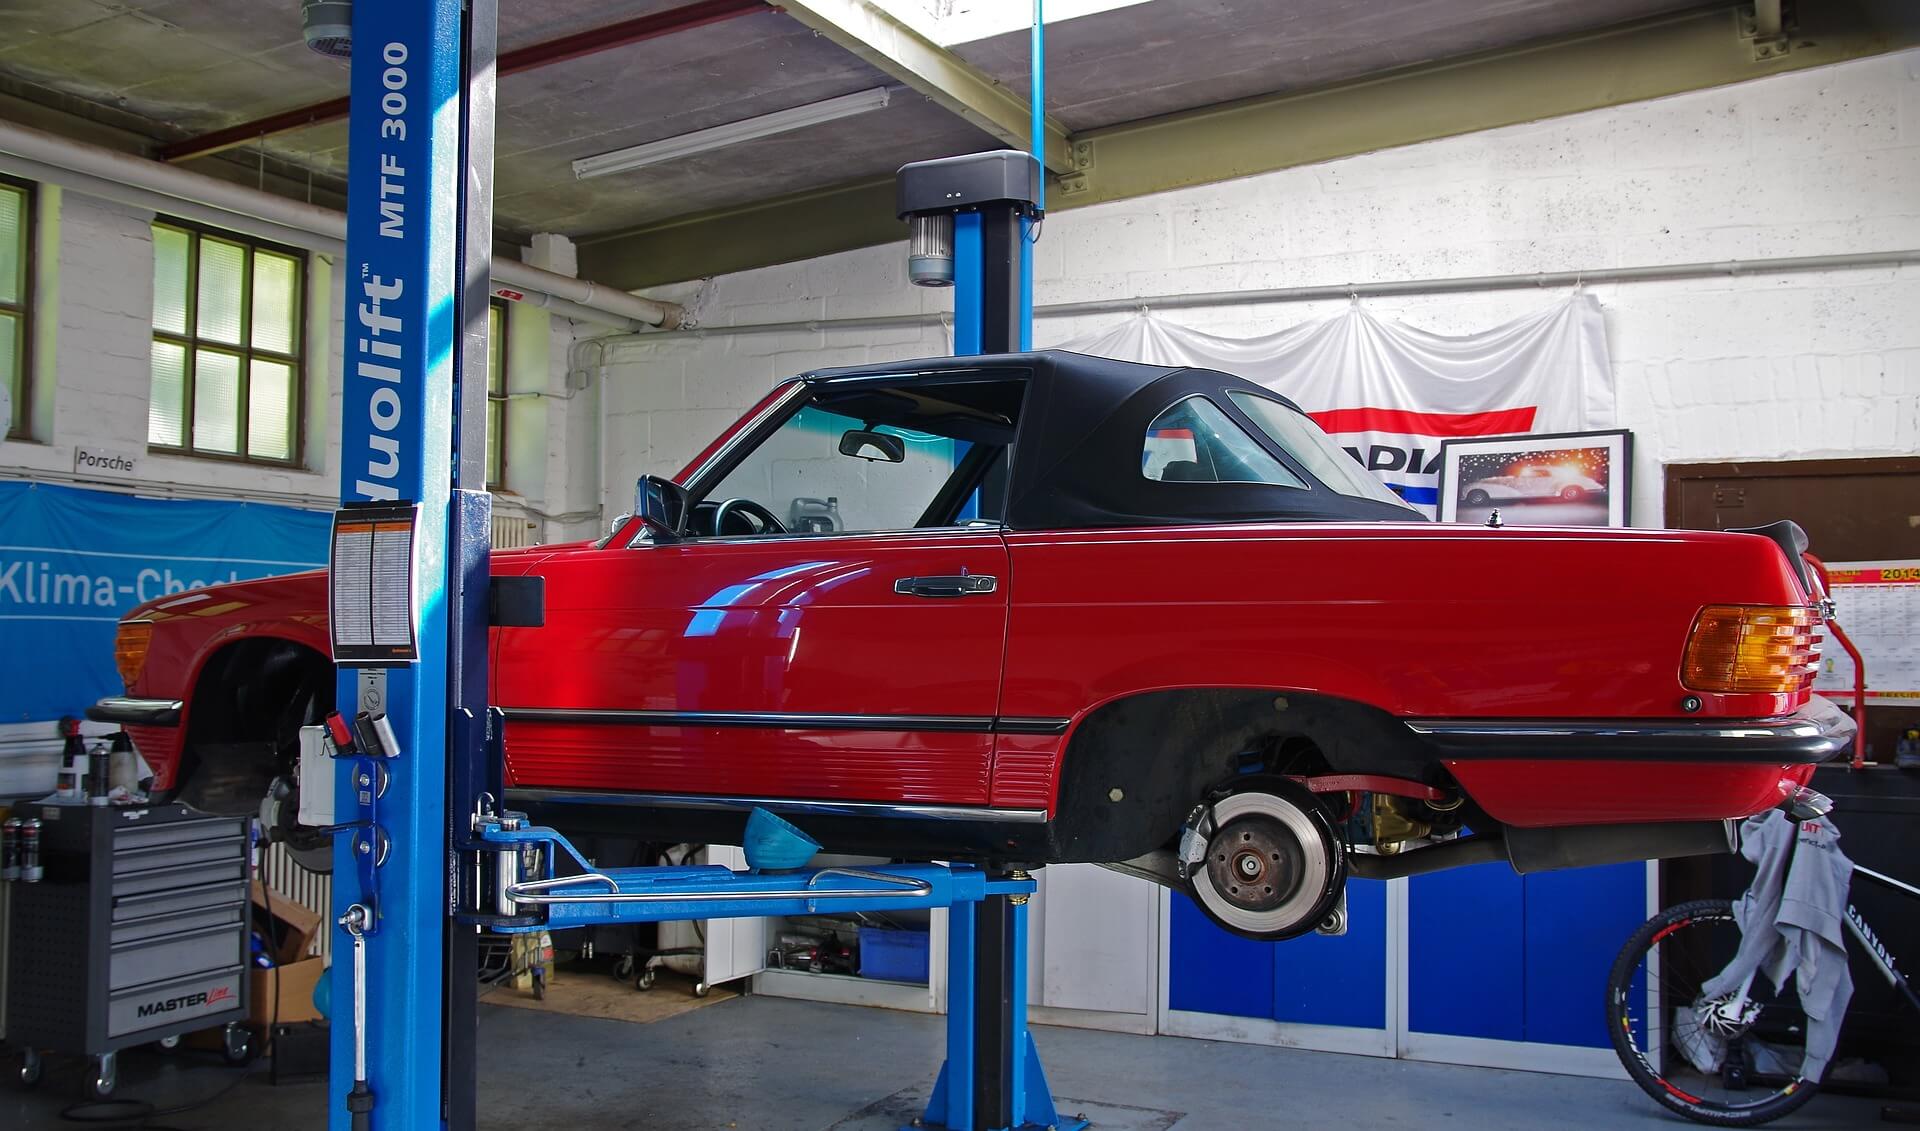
x=750, y=509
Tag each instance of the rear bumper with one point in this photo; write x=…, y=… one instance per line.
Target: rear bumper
x=128, y=711
x=1815, y=733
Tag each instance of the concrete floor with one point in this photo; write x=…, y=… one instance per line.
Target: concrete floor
x=767, y=1064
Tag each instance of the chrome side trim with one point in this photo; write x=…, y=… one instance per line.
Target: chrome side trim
x=1815, y=733
x=977, y=813
x=1524, y=729
x=140, y=712
x=1008, y=724
x=771, y=720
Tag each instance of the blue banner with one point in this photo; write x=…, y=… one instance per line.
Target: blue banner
x=72, y=561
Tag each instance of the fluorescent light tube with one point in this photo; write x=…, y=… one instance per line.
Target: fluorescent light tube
x=731, y=133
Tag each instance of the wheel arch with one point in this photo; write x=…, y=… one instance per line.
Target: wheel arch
x=218, y=706
x=1135, y=766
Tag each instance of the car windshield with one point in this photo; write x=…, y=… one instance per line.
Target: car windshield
x=872, y=458
x=1316, y=451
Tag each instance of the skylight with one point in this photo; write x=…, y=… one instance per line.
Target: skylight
x=948, y=22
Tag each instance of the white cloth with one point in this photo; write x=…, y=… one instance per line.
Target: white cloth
x=1389, y=392
x=1792, y=924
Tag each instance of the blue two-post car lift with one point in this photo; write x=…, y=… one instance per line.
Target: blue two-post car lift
x=424, y=861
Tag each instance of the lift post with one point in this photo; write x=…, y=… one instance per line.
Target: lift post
x=408, y=570
x=977, y=212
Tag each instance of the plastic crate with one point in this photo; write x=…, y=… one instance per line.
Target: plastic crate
x=896, y=956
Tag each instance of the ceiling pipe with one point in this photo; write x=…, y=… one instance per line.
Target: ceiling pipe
x=590, y=42
x=135, y=197
x=150, y=184
x=1531, y=280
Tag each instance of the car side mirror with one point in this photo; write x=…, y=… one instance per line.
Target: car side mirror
x=873, y=446
x=661, y=506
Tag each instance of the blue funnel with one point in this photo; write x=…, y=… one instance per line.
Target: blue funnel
x=773, y=845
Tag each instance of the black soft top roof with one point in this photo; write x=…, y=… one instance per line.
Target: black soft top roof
x=1076, y=462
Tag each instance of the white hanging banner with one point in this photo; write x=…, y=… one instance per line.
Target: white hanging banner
x=1389, y=393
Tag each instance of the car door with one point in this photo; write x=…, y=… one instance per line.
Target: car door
x=853, y=664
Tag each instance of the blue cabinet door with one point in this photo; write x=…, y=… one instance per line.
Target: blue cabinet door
x=1496, y=955
x=1313, y=980
x=1466, y=953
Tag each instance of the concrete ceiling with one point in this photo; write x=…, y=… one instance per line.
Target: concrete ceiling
x=180, y=68
x=663, y=87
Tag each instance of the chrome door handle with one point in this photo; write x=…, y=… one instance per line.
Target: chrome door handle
x=955, y=585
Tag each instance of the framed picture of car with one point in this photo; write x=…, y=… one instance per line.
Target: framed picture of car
x=1561, y=479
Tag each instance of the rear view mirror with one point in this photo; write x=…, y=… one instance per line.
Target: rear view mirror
x=873, y=446
x=661, y=506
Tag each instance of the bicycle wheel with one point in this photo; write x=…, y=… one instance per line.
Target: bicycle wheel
x=1654, y=1018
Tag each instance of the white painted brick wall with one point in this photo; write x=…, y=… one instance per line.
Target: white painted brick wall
x=1766, y=367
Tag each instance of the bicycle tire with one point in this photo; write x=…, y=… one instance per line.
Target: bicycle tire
x=1621, y=992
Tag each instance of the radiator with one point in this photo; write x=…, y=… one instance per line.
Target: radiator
x=311, y=890
x=510, y=532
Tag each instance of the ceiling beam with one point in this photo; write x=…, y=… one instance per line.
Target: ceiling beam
x=1624, y=64
x=955, y=84
x=580, y=44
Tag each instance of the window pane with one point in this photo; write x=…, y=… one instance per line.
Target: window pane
x=223, y=268
x=495, y=456
x=166, y=406
x=1195, y=442
x=216, y=402
x=276, y=291
x=10, y=372
x=1304, y=440
x=270, y=410
x=496, y=350
x=13, y=243
x=170, y=247
x=802, y=476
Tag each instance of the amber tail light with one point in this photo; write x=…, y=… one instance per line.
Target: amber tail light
x=130, y=649
x=1773, y=649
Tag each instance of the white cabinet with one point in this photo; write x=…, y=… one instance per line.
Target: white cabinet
x=1093, y=949
x=732, y=948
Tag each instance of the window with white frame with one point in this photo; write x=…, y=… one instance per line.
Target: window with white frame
x=228, y=367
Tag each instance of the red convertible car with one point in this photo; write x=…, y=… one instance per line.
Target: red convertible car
x=1043, y=607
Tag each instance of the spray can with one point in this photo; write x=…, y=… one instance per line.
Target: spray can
x=10, y=849
x=99, y=773
x=30, y=871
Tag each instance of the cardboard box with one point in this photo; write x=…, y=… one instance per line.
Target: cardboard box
x=288, y=927
x=284, y=994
